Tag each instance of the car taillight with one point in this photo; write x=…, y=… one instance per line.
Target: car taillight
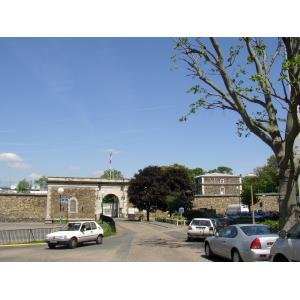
x=190, y=227
x=256, y=244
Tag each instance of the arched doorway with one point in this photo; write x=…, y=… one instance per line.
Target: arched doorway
x=111, y=205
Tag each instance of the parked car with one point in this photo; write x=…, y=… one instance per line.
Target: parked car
x=287, y=247
x=74, y=233
x=220, y=223
x=200, y=228
x=241, y=242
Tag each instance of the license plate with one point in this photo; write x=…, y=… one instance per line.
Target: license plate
x=53, y=242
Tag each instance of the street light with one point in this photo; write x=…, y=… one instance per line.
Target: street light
x=252, y=204
x=60, y=191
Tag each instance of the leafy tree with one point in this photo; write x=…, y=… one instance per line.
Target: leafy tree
x=267, y=174
x=147, y=189
x=110, y=198
x=192, y=173
x=42, y=182
x=246, y=197
x=115, y=174
x=222, y=169
x=180, y=189
x=245, y=79
x=23, y=186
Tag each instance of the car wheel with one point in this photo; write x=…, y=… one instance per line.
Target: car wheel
x=51, y=246
x=280, y=258
x=72, y=243
x=235, y=256
x=99, y=239
x=208, y=252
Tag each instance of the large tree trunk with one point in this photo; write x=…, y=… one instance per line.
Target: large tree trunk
x=287, y=200
x=148, y=213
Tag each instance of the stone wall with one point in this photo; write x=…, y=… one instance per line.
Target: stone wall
x=267, y=202
x=22, y=207
x=84, y=196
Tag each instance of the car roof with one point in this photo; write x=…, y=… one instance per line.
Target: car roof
x=248, y=225
x=206, y=219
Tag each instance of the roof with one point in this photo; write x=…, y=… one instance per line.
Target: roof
x=217, y=175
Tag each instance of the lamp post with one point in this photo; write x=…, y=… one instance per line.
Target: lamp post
x=252, y=202
x=60, y=191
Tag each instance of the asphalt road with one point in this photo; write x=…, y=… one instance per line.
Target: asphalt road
x=134, y=242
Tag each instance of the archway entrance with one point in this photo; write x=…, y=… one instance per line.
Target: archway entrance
x=111, y=206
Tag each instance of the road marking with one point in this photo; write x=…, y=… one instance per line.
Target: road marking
x=16, y=245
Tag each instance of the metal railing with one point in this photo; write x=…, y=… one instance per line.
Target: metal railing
x=19, y=236
x=176, y=222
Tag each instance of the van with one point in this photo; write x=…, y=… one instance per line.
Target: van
x=236, y=209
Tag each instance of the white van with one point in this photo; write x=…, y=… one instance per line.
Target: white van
x=236, y=209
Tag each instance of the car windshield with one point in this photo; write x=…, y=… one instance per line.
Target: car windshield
x=256, y=230
x=71, y=227
x=201, y=223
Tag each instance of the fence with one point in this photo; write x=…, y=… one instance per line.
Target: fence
x=171, y=221
x=18, y=236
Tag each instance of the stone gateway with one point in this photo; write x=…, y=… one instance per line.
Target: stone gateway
x=86, y=198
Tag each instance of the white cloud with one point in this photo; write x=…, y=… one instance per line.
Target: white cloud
x=10, y=157
x=20, y=165
x=35, y=176
x=113, y=151
x=99, y=173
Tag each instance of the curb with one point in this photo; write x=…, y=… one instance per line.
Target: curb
x=19, y=245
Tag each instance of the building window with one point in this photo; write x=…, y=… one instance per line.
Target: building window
x=221, y=181
x=222, y=190
x=73, y=205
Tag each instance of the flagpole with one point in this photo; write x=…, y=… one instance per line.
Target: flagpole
x=110, y=155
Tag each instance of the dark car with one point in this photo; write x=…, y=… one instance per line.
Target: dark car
x=222, y=222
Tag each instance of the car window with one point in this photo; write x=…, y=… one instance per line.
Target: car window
x=86, y=226
x=294, y=232
x=71, y=227
x=228, y=232
x=256, y=230
x=201, y=223
x=93, y=225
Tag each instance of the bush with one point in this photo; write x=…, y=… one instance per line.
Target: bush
x=108, y=230
x=274, y=224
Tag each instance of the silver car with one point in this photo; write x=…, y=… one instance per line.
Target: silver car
x=200, y=228
x=287, y=247
x=242, y=242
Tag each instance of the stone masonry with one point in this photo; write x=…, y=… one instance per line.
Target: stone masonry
x=22, y=207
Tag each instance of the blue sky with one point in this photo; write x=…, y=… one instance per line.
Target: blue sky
x=65, y=102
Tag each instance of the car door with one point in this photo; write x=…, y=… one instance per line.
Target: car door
x=225, y=241
x=294, y=242
x=217, y=241
x=94, y=231
x=89, y=232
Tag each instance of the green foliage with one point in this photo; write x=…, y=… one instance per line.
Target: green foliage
x=23, y=186
x=110, y=198
x=164, y=188
x=108, y=231
x=42, y=182
x=221, y=169
x=246, y=194
x=115, y=174
x=274, y=224
x=147, y=189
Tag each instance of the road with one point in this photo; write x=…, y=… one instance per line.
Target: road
x=134, y=242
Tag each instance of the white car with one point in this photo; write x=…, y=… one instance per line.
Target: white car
x=287, y=247
x=74, y=233
x=200, y=228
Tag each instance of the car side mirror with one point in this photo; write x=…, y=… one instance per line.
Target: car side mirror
x=83, y=230
x=282, y=234
x=217, y=234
